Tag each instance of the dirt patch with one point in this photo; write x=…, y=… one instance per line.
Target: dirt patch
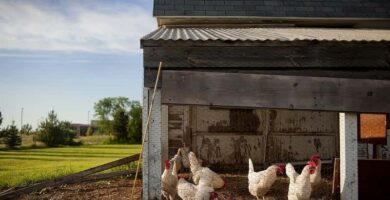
x=112, y=189
x=236, y=189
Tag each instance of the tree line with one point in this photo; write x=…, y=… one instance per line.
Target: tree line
x=120, y=118
x=117, y=116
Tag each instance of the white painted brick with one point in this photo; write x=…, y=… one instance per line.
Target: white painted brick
x=152, y=149
x=164, y=133
x=348, y=156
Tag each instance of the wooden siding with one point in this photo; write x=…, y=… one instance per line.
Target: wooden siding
x=314, y=55
x=378, y=74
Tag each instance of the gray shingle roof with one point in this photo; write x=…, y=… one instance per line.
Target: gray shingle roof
x=274, y=8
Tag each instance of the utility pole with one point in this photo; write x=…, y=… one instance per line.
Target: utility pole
x=21, y=119
x=88, y=118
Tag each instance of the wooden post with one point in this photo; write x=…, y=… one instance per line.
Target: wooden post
x=265, y=136
x=336, y=177
x=348, y=156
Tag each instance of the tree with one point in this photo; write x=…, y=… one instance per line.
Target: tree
x=26, y=129
x=1, y=121
x=105, y=110
x=121, y=120
x=11, y=136
x=54, y=132
x=135, y=123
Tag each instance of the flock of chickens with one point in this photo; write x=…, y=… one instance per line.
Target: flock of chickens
x=205, y=181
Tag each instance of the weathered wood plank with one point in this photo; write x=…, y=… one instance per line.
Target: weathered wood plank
x=336, y=177
x=314, y=56
x=276, y=91
x=98, y=177
x=381, y=74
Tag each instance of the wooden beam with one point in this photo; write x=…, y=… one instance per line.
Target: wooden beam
x=380, y=74
x=109, y=175
x=312, y=56
x=275, y=91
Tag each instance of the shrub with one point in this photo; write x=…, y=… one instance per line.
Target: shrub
x=11, y=136
x=26, y=129
x=53, y=132
x=135, y=123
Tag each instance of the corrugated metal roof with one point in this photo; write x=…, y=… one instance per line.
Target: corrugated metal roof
x=268, y=34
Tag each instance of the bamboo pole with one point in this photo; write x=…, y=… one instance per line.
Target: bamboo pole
x=146, y=128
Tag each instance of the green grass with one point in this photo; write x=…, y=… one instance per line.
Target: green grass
x=25, y=166
x=94, y=139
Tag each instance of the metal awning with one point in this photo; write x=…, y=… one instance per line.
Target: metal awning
x=267, y=34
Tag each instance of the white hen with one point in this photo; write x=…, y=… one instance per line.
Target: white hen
x=260, y=182
x=177, y=159
x=300, y=187
x=202, y=191
x=181, y=159
x=197, y=171
x=169, y=181
x=315, y=178
x=290, y=172
x=185, y=160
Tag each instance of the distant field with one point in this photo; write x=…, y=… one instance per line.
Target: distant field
x=19, y=167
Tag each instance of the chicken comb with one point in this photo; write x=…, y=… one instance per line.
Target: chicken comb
x=312, y=163
x=315, y=157
x=281, y=167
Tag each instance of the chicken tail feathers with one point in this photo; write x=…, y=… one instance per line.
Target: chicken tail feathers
x=251, y=169
x=290, y=172
x=174, y=171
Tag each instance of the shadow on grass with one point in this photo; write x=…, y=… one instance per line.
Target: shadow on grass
x=96, y=155
x=28, y=158
x=114, y=146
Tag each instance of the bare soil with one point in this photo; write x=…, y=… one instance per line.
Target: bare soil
x=112, y=189
x=236, y=189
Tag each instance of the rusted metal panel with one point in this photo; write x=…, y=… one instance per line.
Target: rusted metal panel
x=363, y=151
x=177, y=127
x=289, y=121
x=373, y=128
x=282, y=148
x=385, y=152
x=386, y=149
x=230, y=149
x=228, y=120
x=207, y=117
x=230, y=136
x=293, y=135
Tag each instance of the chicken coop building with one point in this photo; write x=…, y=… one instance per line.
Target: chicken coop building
x=273, y=80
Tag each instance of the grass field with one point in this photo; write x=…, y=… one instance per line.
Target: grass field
x=24, y=166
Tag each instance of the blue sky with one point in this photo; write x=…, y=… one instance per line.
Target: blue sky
x=66, y=55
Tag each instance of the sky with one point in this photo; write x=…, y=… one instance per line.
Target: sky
x=66, y=55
